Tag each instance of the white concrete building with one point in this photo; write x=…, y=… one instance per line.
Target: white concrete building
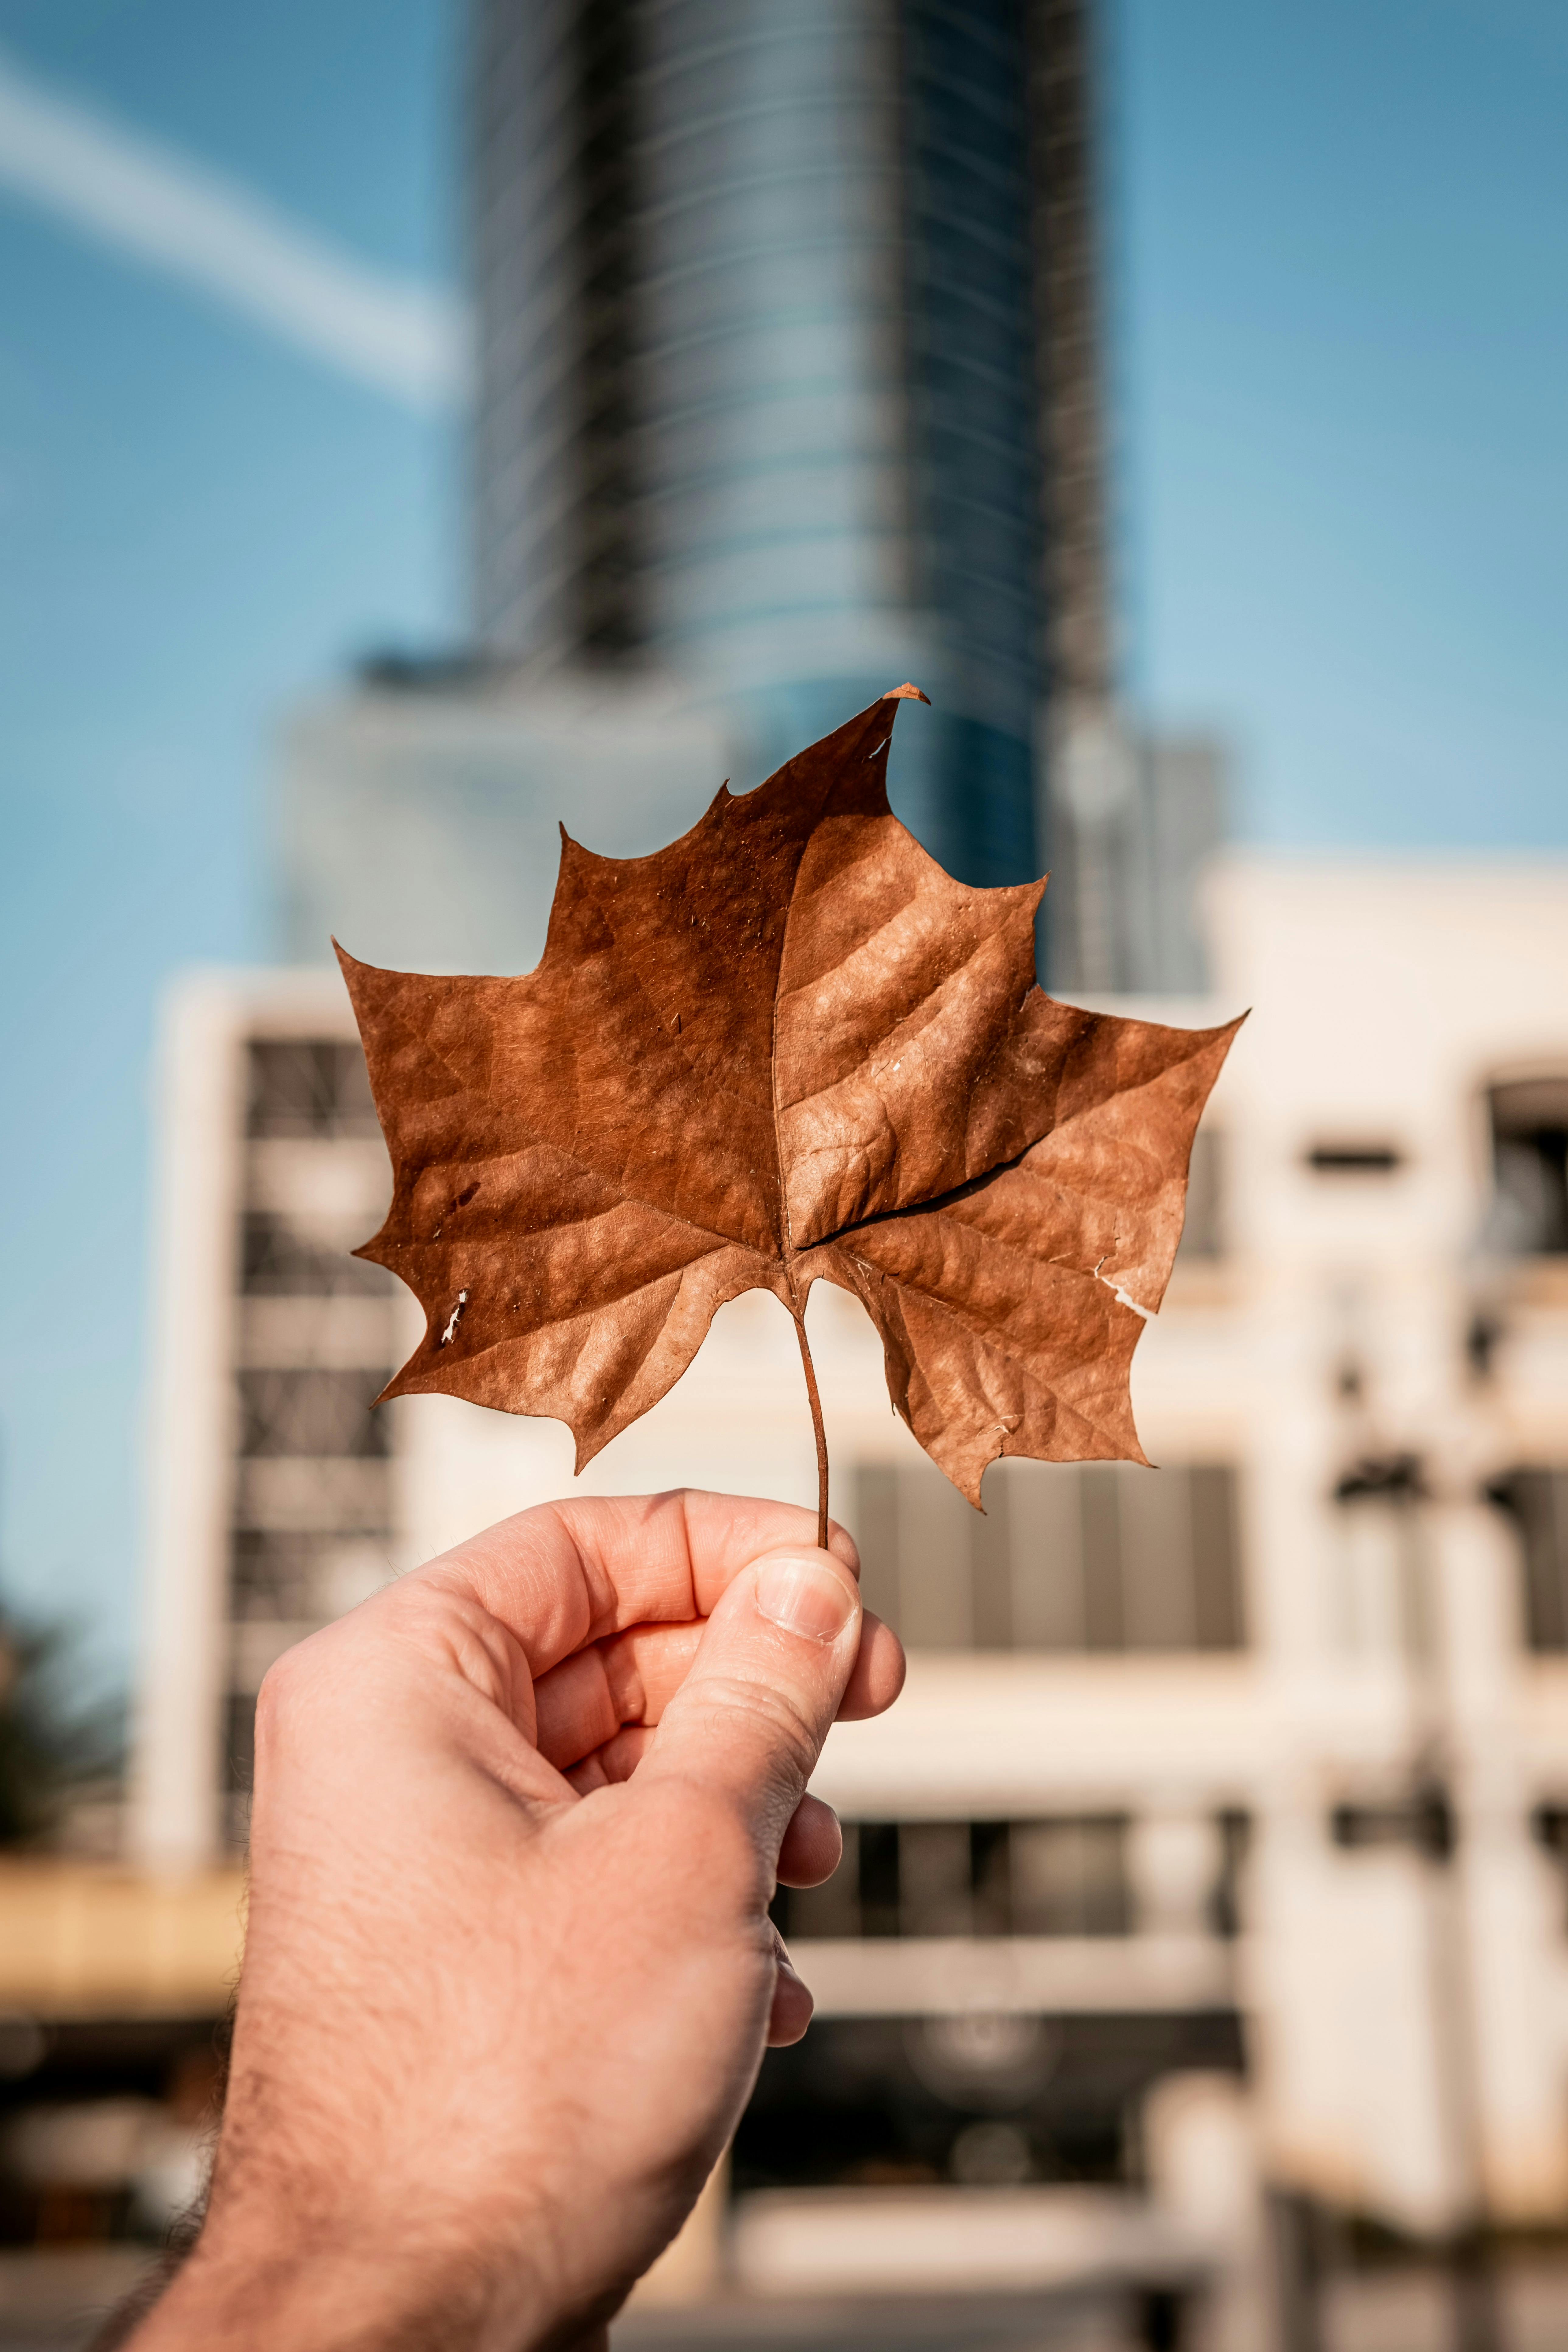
x=1182, y=1752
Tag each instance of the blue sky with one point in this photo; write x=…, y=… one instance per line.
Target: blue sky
x=1342, y=357
x=1345, y=355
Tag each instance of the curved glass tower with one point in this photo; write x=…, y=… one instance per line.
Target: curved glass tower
x=765, y=401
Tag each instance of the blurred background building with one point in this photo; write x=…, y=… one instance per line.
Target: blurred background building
x=1219, y=1836
x=1203, y=1897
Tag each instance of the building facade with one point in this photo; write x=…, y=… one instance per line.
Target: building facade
x=1255, y=1764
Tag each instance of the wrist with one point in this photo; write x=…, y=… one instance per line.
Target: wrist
x=334, y=2296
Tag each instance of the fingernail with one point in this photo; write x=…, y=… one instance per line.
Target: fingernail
x=803, y=1597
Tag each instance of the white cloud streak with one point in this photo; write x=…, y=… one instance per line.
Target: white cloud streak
x=401, y=337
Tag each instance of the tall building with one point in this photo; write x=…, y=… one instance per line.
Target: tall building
x=763, y=370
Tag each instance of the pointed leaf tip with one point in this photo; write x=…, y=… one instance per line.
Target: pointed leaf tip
x=906, y=693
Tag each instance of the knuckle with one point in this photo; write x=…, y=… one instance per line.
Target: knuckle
x=277, y=1701
x=289, y=1692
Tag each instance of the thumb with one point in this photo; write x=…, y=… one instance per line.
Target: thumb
x=749, y=1718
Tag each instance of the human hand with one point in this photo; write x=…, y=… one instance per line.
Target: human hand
x=502, y=2003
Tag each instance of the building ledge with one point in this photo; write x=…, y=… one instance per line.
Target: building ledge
x=84, y=1942
x=955, y=1976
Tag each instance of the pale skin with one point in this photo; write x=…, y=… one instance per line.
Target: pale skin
x=508, y=1973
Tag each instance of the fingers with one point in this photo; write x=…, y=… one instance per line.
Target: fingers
x=568, y=1573
x=631, y=1677
x=617, y=1759
x=748, y=1722
x=791, y=2005
x=877, y=1675
x=813, y=1846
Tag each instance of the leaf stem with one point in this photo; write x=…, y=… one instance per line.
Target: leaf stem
x=817, y=1428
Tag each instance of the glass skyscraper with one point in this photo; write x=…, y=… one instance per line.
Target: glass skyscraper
x=773, y=348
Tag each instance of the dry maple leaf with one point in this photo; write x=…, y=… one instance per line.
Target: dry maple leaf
x=789, y=1046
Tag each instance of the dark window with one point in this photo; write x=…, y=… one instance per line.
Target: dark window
x=1537, y=1502
x=1069, y=1877
x=875, y=1879
x=308, y=1086
x=1529, y=1160
x=286, y=1574
x=936, y=1879
x=1354, y=1158
x=239, y=1743
x=1550, y=1824
x=1217, y=1589
x=1225, y=1900
x=315, y=1413
x=875, y=2101
x=1091, y=1556
x=1055, y=1878
x=280, y=1262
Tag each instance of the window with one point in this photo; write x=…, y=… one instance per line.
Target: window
x=1537, y=1501
x=296, y=1576
x=1550, y=1826
x=308, y=1086
x=279, y=1261
x=1343, y=1159
x=313, y=1412
x=1530, y=1165
x=1062, y=1877
x=1091, y=1556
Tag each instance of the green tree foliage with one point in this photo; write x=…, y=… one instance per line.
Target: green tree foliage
x=49, y=1750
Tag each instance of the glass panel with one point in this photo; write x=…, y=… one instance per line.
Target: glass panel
x=991, y=1561
x=877, y=1536
x=1046, y=1522
x=300, y=1577
x=1066, y=1557
x=308, y=1086
x=239, y=1743
x=990, y=1877
x=1069, y=1877
x=1224, y=1905
x=1529, y=1149
x=934, y=1878
x=1156, y=1559
x=1219, y=1623
x=1100, y=1495
x=1537, y=1500
x=318, y=1414
x=876, y=1858
x=279, y=1262
x=934, y=1547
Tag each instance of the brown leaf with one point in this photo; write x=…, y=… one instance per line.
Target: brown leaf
x=789, y=1046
